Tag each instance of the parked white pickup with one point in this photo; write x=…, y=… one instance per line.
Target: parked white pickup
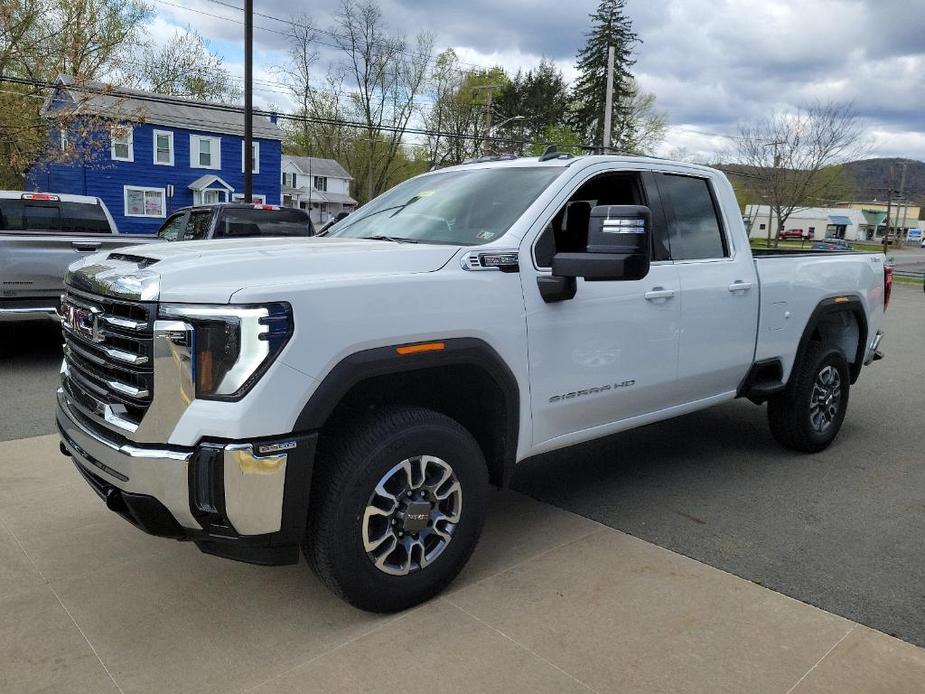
x=355, y=393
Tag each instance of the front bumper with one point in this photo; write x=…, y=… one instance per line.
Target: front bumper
x=246, y=500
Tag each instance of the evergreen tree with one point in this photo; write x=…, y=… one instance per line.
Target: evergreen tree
x=609, y=27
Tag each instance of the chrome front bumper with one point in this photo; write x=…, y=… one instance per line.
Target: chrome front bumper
x=252, y=486
x=157, y=472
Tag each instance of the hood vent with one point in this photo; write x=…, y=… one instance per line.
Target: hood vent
x=138, y=260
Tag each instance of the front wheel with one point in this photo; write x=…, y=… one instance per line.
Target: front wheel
x=398, y=509
x=808, y=415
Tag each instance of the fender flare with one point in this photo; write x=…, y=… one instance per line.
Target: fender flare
x=382, y=361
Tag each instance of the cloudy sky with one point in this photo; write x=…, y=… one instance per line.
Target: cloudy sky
x=710, y=63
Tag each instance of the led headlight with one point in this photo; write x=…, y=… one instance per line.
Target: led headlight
x=233, y=345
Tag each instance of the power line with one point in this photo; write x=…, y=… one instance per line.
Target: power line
x=175, y=101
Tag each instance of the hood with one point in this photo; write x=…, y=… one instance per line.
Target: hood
x=212, y=271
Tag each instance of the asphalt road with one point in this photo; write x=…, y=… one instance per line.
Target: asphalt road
x=30, y=357
x=843, y=530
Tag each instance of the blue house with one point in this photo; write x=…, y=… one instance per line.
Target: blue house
x=146, y=155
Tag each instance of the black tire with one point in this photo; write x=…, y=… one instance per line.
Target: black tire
x=350, y=466
x=791, y=415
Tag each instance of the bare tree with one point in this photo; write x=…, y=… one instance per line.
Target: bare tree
x=791, y=159
x=384, y=76
x=185, y=67
x=89, y=36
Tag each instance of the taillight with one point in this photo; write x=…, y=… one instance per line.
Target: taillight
x=39, y=196
x=887, y=285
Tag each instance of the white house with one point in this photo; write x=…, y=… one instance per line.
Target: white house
x=321, y=186
x=814, y=222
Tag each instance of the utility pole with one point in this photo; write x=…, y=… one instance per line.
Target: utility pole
x=889, y=206
x=608, y=101
x=774, y=184
x=902, y=189
x=488, y=99
x=248, y=100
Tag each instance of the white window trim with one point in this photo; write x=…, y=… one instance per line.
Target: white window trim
x=64, y=141
x=169, y=135
x=131, y=144
x=216, y=152
x=256, y=156
x=144, y=189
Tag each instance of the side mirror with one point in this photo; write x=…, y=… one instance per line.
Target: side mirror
x=618, y=246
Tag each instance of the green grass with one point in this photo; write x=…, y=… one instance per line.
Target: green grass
x=912, y=281
x=805, y=245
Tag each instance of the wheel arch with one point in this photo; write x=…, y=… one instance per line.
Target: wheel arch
x=841, y=321
x=466, y=379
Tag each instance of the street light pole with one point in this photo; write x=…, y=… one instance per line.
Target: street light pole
x=248, y=100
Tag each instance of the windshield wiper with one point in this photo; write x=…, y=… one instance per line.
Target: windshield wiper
x=394, y=239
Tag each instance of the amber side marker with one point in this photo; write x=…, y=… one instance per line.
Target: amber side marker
x=423, y=347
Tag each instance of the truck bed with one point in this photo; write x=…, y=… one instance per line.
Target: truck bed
x=793, y=283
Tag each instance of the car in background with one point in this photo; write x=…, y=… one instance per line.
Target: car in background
x=40, y=235
x=798, y=234
x=832, y=244
x=234, y=220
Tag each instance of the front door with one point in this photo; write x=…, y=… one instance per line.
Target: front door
x=610, y=353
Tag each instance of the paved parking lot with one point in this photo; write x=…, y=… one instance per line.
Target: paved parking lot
x=553, y=600
x=843, y=529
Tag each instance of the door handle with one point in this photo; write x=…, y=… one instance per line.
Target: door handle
x=85, y=245
x=740, y=286
x=659, y=293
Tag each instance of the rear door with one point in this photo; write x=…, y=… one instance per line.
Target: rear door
x=41, y=237
x=719, y=290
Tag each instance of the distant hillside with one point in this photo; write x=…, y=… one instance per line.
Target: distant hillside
x=872, y=177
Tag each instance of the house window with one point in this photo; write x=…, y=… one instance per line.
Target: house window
x=163, y=147
x=205, y=152
x=256, y=164
x=321, y=183
x=285, y=178
x=64, y=139
x=762, y=227
x=145, y=202
x=293, y=180
x=123, y=147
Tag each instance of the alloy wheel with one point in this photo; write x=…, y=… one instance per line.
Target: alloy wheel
x=411, y=515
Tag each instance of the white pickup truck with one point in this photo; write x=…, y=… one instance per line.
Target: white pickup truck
x=355, y=394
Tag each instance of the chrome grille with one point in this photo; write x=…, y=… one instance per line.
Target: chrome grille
x=108, y=358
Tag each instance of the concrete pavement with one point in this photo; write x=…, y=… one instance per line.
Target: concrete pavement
x=551, y=602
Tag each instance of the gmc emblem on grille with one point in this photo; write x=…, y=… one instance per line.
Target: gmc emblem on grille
x=82, y=321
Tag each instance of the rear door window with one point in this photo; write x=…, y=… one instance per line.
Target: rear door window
x=694, y=230
x=243, y=222
x=53, y=216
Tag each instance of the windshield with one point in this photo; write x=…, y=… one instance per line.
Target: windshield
x=235, y=223
x=462, y=208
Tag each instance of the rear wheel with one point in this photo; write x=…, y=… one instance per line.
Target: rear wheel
x=398, y=508
x=808, y=415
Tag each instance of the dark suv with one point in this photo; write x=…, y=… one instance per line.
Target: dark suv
x=230, y=220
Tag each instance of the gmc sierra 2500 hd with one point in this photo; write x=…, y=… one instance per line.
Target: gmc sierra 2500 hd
x=356, y=394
